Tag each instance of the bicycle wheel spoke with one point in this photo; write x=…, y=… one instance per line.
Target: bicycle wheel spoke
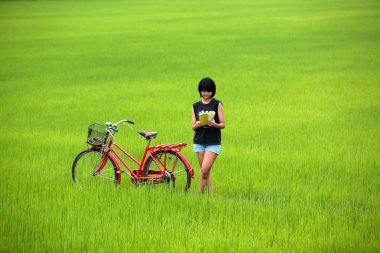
x=105, y=177
x=179, y=172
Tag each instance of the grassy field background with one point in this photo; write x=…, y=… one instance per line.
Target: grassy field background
x=300, y=84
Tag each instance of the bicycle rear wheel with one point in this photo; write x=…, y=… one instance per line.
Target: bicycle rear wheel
x=87, y=163
x=178, y=173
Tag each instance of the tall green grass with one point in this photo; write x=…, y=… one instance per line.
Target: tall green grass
x=299, y=80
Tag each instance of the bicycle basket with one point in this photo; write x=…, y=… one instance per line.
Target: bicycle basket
x=96, y=134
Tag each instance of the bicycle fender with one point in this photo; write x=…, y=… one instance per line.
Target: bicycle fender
x=117, y=166
x=191, y=171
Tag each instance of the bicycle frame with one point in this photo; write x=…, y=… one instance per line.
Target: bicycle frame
x=111, y=151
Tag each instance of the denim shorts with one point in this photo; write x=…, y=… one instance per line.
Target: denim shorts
x=202, y=148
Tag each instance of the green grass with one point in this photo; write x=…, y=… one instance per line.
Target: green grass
x=300, y=84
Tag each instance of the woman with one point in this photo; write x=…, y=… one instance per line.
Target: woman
x=207, y=121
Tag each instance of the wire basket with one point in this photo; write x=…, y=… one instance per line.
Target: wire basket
x=97, y=135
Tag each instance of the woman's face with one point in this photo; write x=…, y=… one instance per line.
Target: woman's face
x=206, y=94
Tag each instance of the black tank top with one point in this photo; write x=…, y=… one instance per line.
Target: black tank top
x=206, y=135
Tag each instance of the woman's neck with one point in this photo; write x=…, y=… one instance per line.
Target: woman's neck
x=206, y=101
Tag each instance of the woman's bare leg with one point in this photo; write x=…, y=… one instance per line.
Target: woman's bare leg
x=206, y=160
x=202, y=184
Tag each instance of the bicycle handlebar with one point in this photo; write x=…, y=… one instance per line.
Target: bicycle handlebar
x=124, y=121
x=111, y=128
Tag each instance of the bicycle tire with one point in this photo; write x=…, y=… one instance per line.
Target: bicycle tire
x=87, y=162
x=174, y=164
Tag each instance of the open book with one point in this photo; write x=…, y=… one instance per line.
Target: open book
x=206, y=115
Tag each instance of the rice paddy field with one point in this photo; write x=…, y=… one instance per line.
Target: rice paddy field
x=299, y=169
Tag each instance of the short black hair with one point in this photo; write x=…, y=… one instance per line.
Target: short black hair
x=207, y=84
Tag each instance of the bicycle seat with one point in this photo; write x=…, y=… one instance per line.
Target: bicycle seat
x=147, y=135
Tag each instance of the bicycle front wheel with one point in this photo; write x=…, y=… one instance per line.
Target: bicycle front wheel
x=169, y=161
x=85, y=166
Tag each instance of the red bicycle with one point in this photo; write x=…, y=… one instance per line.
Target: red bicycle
x=159, y=164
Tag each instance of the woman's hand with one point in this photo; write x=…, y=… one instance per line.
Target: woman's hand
x=197, y=125
x=211, y=123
